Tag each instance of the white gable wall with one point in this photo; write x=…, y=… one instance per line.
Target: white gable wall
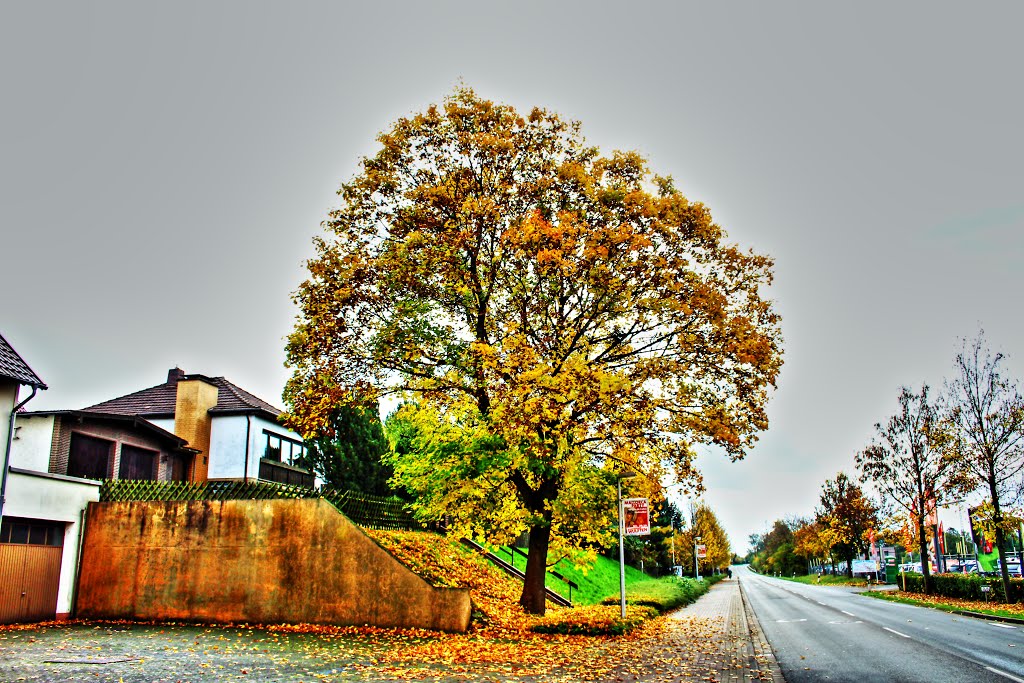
x=33, y=438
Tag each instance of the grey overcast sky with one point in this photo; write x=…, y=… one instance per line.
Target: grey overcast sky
x=166, y=165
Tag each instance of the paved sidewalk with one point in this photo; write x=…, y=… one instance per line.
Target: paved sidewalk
x=716, y=638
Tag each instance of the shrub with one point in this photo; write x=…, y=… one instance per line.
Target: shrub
x=966, y=586
x=594, y=620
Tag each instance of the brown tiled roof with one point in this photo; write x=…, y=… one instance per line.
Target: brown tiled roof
x=159, y=401
x=12, y=366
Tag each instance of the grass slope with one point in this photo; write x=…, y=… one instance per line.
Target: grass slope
x=595, y=583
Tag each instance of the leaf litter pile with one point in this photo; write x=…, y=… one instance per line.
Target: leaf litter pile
x=498, y=647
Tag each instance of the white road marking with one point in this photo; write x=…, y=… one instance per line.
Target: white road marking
x=851, y=614
x=823, y=604
x=1004, y=674
x=1001, y=625
x=788, y=621
x=902, y=635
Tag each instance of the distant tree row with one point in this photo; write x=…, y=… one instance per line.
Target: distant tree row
x=967, y=441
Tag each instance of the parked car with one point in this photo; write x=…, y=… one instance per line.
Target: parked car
x=1012, y=566
x=965, y=567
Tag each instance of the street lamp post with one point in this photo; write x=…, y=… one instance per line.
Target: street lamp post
x=622, y=551
x=696, y=567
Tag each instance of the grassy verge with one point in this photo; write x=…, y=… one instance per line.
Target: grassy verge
x=664, y=594
x=826, y=580
x=1015, y=611
x=645, y=600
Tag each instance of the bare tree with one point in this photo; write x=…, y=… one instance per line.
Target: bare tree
x=909, y=464
x=987, y=412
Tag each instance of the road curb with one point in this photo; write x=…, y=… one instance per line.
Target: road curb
x=982, y=615
x=762, y=649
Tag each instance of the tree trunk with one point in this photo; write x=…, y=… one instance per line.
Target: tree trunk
x=533, y=599
x=923, y=547
x=849, y=564
x=997, y=519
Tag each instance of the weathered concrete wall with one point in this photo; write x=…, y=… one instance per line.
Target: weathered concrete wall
x=264, y=561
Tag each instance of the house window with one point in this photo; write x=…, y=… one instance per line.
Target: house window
x=31, y=532
x=89, y=457
x=282, y=449
x=137, y=463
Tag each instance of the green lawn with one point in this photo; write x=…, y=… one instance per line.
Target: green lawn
x=826, y=580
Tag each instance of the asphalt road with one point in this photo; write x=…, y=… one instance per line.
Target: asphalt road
x=823, y=633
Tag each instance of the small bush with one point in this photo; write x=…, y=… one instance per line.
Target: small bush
x=594, y=620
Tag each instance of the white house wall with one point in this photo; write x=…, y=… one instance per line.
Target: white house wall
x=53, y=498
x=227, y=447
x=33, y=438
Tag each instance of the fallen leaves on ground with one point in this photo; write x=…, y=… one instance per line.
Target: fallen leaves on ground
x=499, y=646
x=1016, y=609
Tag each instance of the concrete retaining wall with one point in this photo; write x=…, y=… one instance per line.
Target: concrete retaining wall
x=263, y=561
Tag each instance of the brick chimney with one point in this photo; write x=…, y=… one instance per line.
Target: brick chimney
x=195, y=396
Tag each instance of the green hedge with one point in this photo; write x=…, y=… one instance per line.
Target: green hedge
x=966, y=586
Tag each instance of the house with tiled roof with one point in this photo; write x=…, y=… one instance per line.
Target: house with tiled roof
x=187, y=428
x=40, y=512
x=190, y=427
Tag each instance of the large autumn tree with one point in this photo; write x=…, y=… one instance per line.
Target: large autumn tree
x=559, y=314
x=910, y=463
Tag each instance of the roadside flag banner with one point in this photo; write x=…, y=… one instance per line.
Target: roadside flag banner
x=942, y=539
x=702, y=552
x=636, y=513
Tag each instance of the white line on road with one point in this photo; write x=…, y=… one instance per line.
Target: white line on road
x=1004, y=674
x=1001, y=625
x=902, y=635
x=823, y=604
x=850, y=614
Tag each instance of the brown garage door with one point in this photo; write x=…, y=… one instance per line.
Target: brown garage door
x=29, y=570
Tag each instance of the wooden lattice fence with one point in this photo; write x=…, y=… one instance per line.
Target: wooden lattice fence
x=375, y=512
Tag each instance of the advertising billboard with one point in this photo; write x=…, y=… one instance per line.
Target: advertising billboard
x=636, y=516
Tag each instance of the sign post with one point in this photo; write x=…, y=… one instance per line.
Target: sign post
x=699, y=552
x=622, y=552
